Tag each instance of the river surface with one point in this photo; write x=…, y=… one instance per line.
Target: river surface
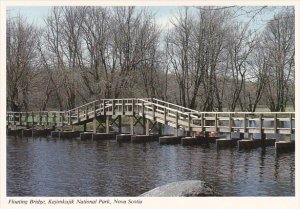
x=44, y=166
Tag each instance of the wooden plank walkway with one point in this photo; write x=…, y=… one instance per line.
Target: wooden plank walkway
x=158, y=111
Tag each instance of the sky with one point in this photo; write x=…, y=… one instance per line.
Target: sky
x=36, y=14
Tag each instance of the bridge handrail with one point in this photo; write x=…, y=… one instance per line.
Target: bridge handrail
x=84, y=105
x=161, y=107
x=24, y=112
x=248, y=113
x=181, y=107
x=168, y=108
x=199, y=112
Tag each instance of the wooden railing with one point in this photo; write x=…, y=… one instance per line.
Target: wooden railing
x=162, y=112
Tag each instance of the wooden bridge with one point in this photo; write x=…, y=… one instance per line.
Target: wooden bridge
x=148, y=112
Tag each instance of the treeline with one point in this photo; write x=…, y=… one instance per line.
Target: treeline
x=207, y=60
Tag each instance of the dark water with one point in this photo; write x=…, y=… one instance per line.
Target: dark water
x=61, y=167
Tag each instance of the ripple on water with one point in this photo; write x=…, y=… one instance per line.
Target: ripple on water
x=52, y=167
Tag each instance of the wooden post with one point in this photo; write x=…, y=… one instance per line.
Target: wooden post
x=32, y=116
x=107, y=124
x=113, y=106
x=94, y=108
x=47, y=118
x=143, y=108
x=123, y=108
x=7, y=119
x=14, y=119
x=26, y=120
x=94, y=125
x=120, y=124
x=131, y=125
x=202, y=122
x=86, y=113
x=165, y=115
x=275, y=124
x=189, y=124
x=133, y=107
x=144, y=119
x=230, y=125
x=62, y=119
x=216, y=122
x=159, y=129
x=137, y=107
x=261, y=130
x=40, y=118
x=104, y=112
x=260, y=124
x=245, y=124
x=70, y=122
x=78, y=119
x=54, y=119
x=147, y=127
x=84, y=127
x=176, y=124
x=291, y=124
x=153, y=112
x=94, y=119
x=20, y=119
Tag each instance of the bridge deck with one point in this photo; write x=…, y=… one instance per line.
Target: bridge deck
x=161, y=112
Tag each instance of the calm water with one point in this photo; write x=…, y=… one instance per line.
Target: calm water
x=62, y=167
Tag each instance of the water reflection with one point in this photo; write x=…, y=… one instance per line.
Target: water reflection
x=51, y=167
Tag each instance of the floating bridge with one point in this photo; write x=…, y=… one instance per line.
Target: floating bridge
x=149, y=112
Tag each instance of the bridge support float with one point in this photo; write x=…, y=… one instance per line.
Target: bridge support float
x=124, y=137
x=86, y=135
x=142, y=138
x=197, y=140
x=284, y=146
x=28, y=132
x=65, y=134
x=231, y=142
x=250, y=144
x=103, y=136
x=222, y=143
x=12, y=132
x=169, y=140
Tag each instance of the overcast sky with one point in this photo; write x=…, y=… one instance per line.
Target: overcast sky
x=36, y=14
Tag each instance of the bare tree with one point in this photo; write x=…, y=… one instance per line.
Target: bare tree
x=240, y=46
x=149, y=62
x=279, y=41
x=257, y=78
x=21, y=61
x=64, y=45
x=194, y=49
x=178, y=43
x=208, y=60
x=97, y=65
x=209, y=76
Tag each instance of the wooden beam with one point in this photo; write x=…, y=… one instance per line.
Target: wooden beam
x=275, y=124
x=147, y=126
x=246, y=130
x=107, y=124
x=261, y=123
x=230, y=125
x=131, y=125
x=176, y=124
x=133, y=106
x=165, y=116
x=94, y=125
